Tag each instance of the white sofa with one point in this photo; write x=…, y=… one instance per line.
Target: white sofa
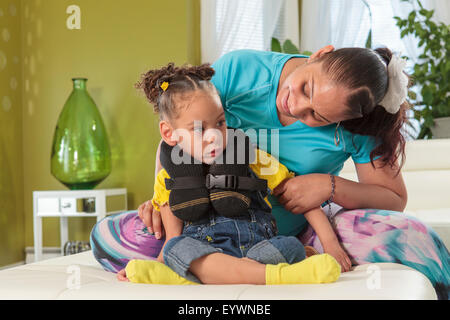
x=427, y=176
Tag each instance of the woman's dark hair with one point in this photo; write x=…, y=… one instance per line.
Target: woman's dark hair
x=180, y=81
x=364, y=72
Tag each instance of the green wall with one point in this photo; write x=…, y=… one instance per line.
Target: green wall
x=118, y=41
x=12, y=227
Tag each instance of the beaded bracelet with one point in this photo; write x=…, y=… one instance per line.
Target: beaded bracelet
x=333, y=186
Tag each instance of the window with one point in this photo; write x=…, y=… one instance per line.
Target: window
x=346, y=23
x=228, y=25
x=244, y=30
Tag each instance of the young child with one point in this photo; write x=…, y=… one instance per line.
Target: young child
x=213, y=191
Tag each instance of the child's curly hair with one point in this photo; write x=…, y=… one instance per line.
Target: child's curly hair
x=181, y=80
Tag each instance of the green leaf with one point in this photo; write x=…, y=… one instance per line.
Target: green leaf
x=423, y=12
x=431, y=75
x=289, y=47
x=412, y=95
x=427, y=95
x=369, y=40
x=276, y=46
x=442, y=110
x=447, y=66
x=404, y=33
x=420, y=4
x=412, y=16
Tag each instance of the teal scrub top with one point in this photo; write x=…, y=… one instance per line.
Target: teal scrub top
x=247, y=82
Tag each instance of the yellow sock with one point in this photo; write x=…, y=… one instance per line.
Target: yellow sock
x=321, y=268
x=154, y=272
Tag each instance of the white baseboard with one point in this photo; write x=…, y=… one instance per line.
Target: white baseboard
x=47, y=253
x=20, y=263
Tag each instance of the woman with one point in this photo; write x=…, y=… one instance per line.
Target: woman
x=321, y=110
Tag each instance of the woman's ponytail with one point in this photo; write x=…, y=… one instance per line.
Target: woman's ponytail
x=364, y=72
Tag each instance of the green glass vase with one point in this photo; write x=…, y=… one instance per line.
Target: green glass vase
x=81, y=156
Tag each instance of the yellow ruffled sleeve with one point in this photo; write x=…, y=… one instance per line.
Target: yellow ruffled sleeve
x=268, y=167
x=160, y=193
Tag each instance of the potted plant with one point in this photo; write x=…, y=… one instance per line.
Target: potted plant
x=431, y=75
x=287, y=47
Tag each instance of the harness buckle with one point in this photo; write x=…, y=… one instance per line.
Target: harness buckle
x=224, y=181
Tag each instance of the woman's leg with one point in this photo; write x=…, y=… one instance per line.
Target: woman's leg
x=119, y=238
x=371, y=236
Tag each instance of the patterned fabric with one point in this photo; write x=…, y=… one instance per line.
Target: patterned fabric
x=368, y=236
x=118, y=238
x=371, y=236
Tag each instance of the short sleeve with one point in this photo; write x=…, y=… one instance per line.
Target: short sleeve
x=269, y=168
x=220, y=79
x=160, y=193
x=361, y=147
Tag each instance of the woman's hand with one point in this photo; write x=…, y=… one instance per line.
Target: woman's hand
x=152, y=219
x=303, y=193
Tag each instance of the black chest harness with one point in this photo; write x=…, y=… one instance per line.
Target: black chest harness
x=224, y=186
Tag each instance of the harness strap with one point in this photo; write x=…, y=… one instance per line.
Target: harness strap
x=179, y=183
x=224, y=181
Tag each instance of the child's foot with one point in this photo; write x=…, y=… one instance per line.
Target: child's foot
x=310, y=251
x=154, y=272
x=122, y=276
x=321, y=268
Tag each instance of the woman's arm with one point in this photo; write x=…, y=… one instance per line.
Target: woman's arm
x=378, y=188
x=172, y=225
x=145, y=210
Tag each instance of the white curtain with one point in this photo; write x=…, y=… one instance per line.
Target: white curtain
x=336, y=22
x=235, y=24
x=345, y=23
x=441, y=7
x=208, y=30
x=271, y=13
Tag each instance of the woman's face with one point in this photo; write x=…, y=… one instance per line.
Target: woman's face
x=309, y=96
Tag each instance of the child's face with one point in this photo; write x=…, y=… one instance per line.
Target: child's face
x=200, y=128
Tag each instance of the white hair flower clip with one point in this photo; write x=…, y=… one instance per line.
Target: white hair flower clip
x=397, y=85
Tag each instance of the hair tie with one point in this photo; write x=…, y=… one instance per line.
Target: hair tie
x=397, y=85
x=164, y=86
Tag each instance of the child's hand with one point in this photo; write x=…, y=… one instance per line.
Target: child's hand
x=122, y=276
x=334, y=248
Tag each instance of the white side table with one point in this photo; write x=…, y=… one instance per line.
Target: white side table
x=62, y=204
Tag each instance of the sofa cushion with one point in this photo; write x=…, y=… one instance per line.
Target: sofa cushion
x=57, y=279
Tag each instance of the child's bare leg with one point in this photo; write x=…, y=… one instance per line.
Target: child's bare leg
x=219, y=268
